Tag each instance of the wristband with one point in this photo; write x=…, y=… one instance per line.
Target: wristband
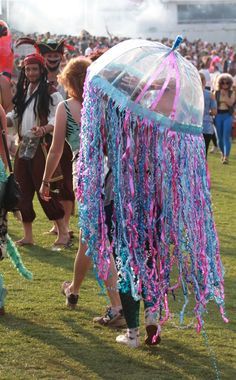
x=46, y=183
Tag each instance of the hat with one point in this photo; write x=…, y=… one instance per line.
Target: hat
x=51, y=46
x=33, y=58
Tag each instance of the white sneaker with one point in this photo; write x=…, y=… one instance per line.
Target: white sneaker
x=131, y=342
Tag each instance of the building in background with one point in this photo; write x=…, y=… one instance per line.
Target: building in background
x=210, y=20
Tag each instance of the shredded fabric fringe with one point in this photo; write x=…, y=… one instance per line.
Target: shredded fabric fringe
x=16, y=260
x=162, y=206
x=7, y=245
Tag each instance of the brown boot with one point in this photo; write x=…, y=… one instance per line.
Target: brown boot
x=152, y=337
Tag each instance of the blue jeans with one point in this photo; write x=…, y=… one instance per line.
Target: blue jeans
x=223, y=122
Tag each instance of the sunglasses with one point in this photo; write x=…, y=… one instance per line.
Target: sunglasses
x=225, y=82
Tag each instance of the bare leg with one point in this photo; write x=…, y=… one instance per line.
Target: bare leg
x=63, y=234
x=68, y=207
x=28, y=235
x=111, y=286
x=81, y=266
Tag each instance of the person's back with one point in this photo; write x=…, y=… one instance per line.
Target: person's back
x=73, y=112
x=232, y=66
x=207, y=117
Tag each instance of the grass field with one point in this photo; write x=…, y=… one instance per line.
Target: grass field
x=41, y=339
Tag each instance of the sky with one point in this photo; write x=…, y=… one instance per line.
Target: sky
x=119, y=17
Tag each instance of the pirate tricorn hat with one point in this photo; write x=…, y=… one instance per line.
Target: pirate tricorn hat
x=50, y=46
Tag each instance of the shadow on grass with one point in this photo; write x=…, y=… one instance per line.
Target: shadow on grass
x=224, y=190
x=171, y=352
x=171, y=360
x=91, y=353
x=63, y=258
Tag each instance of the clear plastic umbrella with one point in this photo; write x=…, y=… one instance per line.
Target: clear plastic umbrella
x=155, y=78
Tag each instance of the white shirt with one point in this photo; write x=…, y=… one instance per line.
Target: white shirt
x=88, y=51
x=29, y=120
x=207, y=76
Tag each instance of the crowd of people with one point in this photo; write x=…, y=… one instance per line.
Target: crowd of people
x=222, y=54
x=211, y=59
x=44, y=115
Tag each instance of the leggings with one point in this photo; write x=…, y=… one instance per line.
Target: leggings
x=223, y=123
x=207, y=138
x=131, y=309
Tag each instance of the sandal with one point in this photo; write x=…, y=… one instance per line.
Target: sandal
x=60, y=246
x=20, y=243
x=54, y=233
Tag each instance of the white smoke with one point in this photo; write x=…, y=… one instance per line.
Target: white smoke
x=128, y=18
x=122, y=18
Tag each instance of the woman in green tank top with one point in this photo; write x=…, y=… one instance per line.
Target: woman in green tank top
x=67, y=126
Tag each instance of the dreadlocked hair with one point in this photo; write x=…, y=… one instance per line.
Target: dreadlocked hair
x=42, y=99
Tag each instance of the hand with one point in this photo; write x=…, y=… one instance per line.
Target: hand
x=37, y=131
x=45, y=191
x=128, y=82
x=9, y=122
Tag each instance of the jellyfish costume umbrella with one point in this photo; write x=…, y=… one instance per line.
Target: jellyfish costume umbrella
x=144, y=102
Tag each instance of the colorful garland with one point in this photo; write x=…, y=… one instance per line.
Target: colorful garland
x=162, y=205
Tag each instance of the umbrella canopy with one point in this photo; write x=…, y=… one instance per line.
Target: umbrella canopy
x=153, y=80
x=143, y=108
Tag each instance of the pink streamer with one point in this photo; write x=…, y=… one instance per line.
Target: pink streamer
x=152, y=78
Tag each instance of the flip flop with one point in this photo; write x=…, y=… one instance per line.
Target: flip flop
x=60, y=246
x=54, y=233
x=50, y=233
x=20, y=243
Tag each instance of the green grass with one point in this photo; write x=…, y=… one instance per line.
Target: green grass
x=41, y=339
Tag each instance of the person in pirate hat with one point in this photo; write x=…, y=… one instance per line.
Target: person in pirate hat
x=53, y=51
x=33, y=116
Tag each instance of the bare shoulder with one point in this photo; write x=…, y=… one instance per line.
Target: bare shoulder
x=75, y=108
x=73, y=102
x=61, y=111
x=4, y=83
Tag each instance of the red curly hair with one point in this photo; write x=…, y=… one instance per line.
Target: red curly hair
x=73, y=76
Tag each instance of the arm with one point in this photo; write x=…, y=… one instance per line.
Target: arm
x=56, y=149
x=5, y=89
x=213, y=105
x=12, y=123
x=4, y=126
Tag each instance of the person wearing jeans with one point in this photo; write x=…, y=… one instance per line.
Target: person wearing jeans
x=225, y=99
